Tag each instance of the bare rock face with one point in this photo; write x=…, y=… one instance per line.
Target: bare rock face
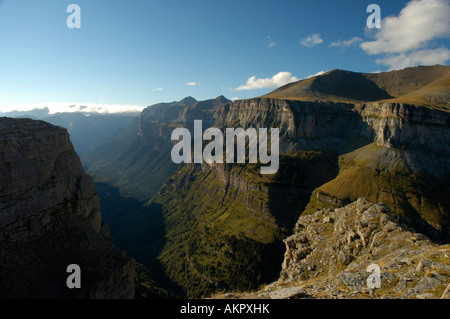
x=333, y=250
x=340, y=253
x=50, y=218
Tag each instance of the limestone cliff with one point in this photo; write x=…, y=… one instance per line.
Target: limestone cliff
x=386, y=151
x=50, y=218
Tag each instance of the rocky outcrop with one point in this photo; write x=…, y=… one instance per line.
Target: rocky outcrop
x=50, y=218
x=337, y=253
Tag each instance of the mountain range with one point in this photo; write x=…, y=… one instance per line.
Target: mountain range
x=87, y=130
x=343, y=135
x=363, y=176
x=421, y=85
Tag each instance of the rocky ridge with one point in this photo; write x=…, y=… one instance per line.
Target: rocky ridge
x=50, y=218
x=330, y=251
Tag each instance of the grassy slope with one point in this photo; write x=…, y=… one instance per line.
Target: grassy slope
x=425, y=86
x=384, y=175
x=208, y=247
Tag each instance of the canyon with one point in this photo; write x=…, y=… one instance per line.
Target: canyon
x=343, y=135
x=363, y=173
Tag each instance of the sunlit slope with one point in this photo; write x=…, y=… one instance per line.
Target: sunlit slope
x=404, y=180
x=424, y=85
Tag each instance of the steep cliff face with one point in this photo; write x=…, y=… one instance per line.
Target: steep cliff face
x=50, y=218
x=397, y=153
x=303, y=125
x=406, y=126
x=335, y=125
x=406, y=166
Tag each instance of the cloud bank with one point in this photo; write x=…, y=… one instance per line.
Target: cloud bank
x=406, y=40
x=55, y=107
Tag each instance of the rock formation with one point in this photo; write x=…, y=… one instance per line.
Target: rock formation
x=330, y=251
x=50, y=218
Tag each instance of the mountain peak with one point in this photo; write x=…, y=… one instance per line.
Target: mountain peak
x=189, y=100
x=222, y=99
x=421, y=85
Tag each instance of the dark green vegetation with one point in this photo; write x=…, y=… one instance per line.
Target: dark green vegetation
x=344, y=135
x=225, y=224
x=149, y=285
x=141, y=232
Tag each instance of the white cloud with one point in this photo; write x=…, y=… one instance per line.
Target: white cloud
x=157, y=89
x=312, y=40
x=406, y=40
x=271, y=42
x=56, y=107
x=318, y=73
x=235, y=98
x=346, y=43
x=421, y=57
x=418, y=23
x=277, y=80
x=191, y=83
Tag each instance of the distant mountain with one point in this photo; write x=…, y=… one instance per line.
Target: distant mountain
x=138, y=162
x=33, y=114
x=87, y=130
x=423, y=85
x=50, y=218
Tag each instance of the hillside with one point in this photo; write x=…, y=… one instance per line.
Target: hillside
x=138, y=160
x=225, y=224
x=87, y=131
x=425, y=86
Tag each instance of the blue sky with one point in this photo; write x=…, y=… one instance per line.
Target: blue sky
x=138, y=52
